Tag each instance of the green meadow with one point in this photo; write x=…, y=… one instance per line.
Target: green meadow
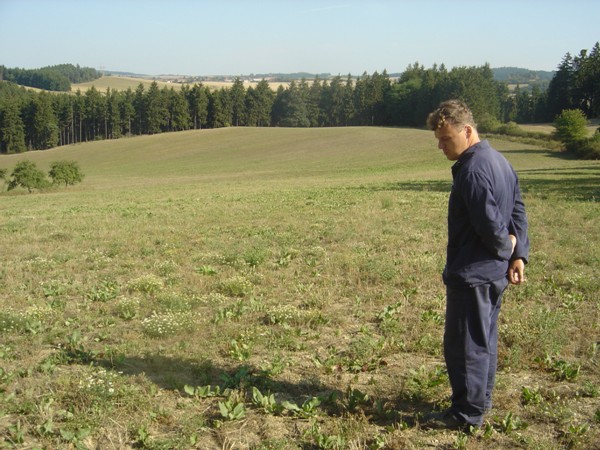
x=270, y=288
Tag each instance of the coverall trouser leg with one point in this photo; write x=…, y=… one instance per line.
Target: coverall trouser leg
x=471, y=347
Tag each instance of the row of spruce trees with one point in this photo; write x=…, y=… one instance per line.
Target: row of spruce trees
x=39, y=120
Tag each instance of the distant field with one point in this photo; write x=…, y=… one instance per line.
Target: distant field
x=120, y=83
x=324, y=154
x=539, y=128
x=279, y=289
x=549, y=128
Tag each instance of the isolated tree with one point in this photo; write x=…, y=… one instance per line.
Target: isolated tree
x=27, y=175
x=570, y=127
x=66, y=172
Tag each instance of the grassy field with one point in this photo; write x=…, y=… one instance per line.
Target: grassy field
x=549, y=128
x=247, y=288
x=121, y=83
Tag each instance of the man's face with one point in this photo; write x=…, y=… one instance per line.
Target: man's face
x=452, y=141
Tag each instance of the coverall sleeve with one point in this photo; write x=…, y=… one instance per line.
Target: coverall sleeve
x=519, y=227
x=485, y=215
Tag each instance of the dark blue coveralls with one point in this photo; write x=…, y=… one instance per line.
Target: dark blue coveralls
x=485, y=206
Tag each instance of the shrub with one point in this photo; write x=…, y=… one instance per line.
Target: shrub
x=586, y=148
x=488, y=124
x=511, y=129
x=570, y=126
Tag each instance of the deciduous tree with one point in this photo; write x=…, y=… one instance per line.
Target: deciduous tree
x=27, y=175
x=66, y=172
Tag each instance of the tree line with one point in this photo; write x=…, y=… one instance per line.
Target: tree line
x=575, y=85
x=50, y=78
x=36, y=121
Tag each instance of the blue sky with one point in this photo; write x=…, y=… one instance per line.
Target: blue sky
x=235, y=37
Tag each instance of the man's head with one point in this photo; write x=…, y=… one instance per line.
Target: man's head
x=454, y=128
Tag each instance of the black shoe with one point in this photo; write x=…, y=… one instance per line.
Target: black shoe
x=445, y=420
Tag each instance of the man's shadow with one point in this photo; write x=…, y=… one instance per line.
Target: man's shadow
x=175, y=374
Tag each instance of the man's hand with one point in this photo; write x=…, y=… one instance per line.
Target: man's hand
x=516, y=271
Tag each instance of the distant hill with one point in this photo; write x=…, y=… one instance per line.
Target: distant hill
x=519, y=75
x=282, y=77
x=524, y=78
x=68, y=73
x=124, y=74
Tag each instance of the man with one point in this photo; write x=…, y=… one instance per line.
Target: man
x=488, y=247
